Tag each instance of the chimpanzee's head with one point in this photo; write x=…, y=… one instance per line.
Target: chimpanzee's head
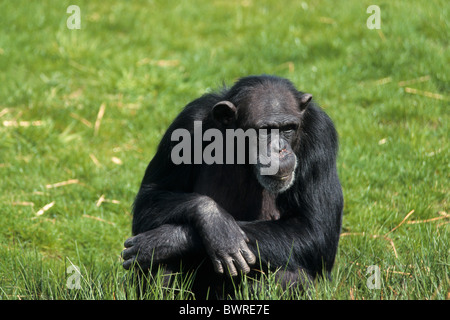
x=274, y=108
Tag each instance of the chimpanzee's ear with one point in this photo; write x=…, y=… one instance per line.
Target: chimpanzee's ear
x=224, y=112
x=305, y=99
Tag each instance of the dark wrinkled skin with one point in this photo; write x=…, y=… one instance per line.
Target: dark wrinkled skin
x=157, y=246
x=174, y=241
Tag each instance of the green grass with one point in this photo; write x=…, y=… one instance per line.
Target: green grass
x=145, y=60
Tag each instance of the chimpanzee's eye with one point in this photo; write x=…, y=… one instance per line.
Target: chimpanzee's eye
x=289, y=128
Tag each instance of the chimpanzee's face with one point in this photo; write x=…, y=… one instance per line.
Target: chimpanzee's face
x=275, y=113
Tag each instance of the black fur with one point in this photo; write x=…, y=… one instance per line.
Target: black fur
x=296, y=230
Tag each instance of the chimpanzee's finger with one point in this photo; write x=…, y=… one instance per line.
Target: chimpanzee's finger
x=230, y=266
x=128, y=263
x=241, y=263
x=129, y=242
x=247, y=254
x=217, y=265
x=128, y=253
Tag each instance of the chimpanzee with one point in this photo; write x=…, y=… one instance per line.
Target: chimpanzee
x=223, y=218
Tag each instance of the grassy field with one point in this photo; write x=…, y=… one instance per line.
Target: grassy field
x=82, y=111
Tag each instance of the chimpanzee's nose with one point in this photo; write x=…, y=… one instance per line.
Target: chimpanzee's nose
x=283, y=148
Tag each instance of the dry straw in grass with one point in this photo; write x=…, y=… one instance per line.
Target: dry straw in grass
x=444, y=215
x=425, y=93
x=101, y=113
x=45, y=208
x=98, y=219
x=62, y=183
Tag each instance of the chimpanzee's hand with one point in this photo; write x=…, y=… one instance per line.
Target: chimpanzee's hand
x=225, y=243
x=158, y=245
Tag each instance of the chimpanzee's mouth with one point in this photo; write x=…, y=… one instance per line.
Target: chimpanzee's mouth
x=282, y=178
x=284, y=153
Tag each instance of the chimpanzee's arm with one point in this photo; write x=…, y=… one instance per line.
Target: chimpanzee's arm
x=305, y=238
x=166, y=198
x=194, y=216
x=307, y=234
x=161, y=245
x=292, y=245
